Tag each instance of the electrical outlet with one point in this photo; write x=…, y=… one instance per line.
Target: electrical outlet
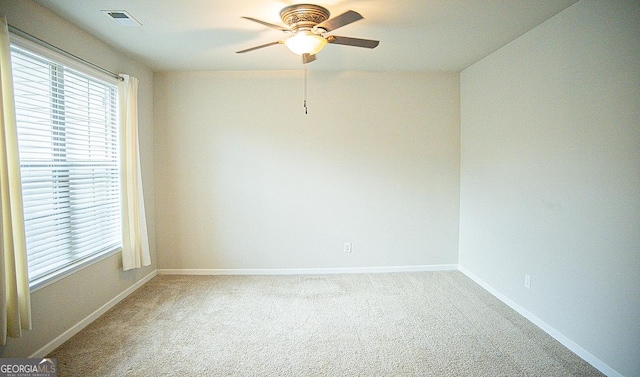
x=347, y=247
x=527, y=281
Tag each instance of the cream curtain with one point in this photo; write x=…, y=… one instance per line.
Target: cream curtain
x=14, y=279
x=135, y=241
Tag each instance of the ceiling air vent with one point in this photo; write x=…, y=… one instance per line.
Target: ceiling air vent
x=122, y=17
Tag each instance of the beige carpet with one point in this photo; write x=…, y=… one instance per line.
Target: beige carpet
x=403, y=324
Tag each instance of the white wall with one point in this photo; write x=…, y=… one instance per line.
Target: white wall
x=550, y=176
x=244, y=179
x=60, y=306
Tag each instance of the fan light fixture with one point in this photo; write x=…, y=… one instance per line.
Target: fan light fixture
x=307, y=23
x=306, y=26
x=305, y=42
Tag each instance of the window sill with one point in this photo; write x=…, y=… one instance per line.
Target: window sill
x=69, y=270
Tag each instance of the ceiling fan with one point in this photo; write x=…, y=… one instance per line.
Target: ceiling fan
x=308, y=24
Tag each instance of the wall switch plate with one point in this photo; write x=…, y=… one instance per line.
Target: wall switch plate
x=347, y=247
x=527, y=281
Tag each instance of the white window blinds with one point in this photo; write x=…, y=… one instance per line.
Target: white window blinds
x=68, y=142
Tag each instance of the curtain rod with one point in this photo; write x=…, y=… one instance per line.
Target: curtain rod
x=46, y=44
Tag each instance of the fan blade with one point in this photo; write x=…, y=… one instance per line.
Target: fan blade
x=340, y=21
x=261, y=46
x=348, y=41
x=306, y=58
x=278, y=27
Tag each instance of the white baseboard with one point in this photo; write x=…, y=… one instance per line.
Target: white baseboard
x=575, y=348
x=309, y=271
x=55, y=343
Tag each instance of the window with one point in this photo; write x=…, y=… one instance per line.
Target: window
x=68, y=143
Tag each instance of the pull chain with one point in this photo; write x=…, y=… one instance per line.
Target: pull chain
x=305, y=90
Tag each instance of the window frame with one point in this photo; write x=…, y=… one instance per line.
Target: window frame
x=96, y=74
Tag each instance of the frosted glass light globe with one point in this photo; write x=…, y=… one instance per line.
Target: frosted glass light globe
x=305, y=42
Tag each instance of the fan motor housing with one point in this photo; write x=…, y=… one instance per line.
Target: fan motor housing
x=303, y=16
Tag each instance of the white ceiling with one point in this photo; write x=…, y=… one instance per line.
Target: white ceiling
x=415, y=35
